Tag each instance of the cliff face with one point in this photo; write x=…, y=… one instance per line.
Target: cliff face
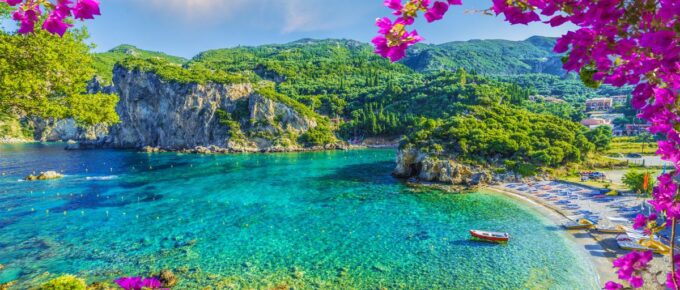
x=50, y=130
x=411, y=163
x=175, y=116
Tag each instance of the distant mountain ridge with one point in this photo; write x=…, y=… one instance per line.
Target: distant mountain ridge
x=489, y=57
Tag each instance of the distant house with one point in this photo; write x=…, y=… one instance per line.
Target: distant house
x=605, y=116
x=635, y=129
x=620, y=100
x=593, y=123
x=548, y=99
x=599, y=104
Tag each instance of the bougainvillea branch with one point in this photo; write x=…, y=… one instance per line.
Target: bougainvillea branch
x=29, y=12
x=617, y=42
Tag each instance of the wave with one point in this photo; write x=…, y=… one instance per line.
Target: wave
x=109, y=177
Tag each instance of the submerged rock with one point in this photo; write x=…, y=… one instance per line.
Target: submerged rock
x=7, y=285
x=167, y=278
x=101, y=286
x=45, y=176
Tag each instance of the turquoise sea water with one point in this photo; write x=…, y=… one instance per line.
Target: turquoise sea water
x=332, y=220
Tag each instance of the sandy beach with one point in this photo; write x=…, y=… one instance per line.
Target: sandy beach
x=563, y=202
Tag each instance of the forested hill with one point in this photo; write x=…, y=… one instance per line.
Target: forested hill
x=309, y=66
x=104, y=62
x=488, y=57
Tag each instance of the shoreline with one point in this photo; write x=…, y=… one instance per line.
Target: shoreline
x=6, y=140
x=598, y=254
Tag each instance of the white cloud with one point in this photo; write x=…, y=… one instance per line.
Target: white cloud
x=288, y=16
x=200, y=10
x=311, y=15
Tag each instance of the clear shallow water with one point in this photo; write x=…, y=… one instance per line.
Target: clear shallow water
x=311, y=220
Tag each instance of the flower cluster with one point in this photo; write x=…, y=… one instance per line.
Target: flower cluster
x=138, y=283
x=394, y=38
x=617, y=42
x=644, y=222
x=630, y=266
x=29, y=12
x=675, y=276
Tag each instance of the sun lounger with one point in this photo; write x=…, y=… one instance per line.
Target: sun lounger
x=579, y=224
x=627, y=243
x=619, y=220
x=611, y=229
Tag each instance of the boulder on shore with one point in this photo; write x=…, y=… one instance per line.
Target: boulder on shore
x=45, y=176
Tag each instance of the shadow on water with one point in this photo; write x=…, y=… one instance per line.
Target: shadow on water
x=474, y=243
x=95, y=198
x=375, y=173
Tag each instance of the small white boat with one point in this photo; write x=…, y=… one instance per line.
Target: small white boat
x=490, y=236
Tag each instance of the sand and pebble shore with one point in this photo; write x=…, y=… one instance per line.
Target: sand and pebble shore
x=550, y=198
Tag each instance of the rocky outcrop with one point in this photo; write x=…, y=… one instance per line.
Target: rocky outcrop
x=412, y=163
x=96, y=85
x=45, y=176
x=51, y=130
x=166, y=115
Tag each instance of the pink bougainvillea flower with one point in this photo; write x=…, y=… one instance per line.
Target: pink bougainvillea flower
x=394, y=5
x=12, y=2
x=630, y=264
x=129, y=283
x=138, y=283
x=27, y=20
x=394, y=39
x=641, y=221
x=669, y=279
x=86, y=9
x=658, y=41
x=55, y=24
x=437, y=11
x=611, y=285
x=63, y=8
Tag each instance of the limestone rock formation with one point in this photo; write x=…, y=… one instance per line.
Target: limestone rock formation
x=47, y=175
x=412, y=163
x=168, y=115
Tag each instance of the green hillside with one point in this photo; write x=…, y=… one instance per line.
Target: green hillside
x=488, y=57
x=104, y=62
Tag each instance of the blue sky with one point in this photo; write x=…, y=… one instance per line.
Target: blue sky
x=187, y=27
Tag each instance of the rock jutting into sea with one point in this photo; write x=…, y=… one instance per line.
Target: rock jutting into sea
x=423, y=167
x=47, y=175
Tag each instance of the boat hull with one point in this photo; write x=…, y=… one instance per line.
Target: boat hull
x=498, y=238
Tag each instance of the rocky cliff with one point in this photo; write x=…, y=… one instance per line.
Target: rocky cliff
x=165, y=115
x=51, y=130
x=412, y=163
